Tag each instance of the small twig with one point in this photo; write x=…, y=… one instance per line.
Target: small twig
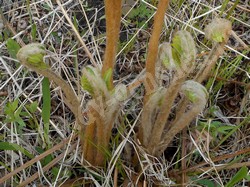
x=239, y=40
x=116, y=177
x=239, y=6
x=243, y=103
x=5, y=93
x=219, y=168
x=230, y=81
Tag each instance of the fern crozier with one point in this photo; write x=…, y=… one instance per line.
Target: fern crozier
x=32, y=55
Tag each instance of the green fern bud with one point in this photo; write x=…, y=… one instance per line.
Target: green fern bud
x=120, y=92
x=93, y=82
x=32, y=55
x=195, y=92
x=183, y=49
x=165, y=56
x=218, y=30
x=107, y=77
x=86, y=85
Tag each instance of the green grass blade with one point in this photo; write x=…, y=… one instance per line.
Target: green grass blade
x=232, y=9
x=223, y=7
x=241, y=174
x=33, y=32
x=207, y=183
x=13, y=47
x=233, y=131
x=14, y=147
x=46, y=108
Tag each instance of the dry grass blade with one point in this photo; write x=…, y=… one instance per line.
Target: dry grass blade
x=217, y=159
x=77, y=33
x=47, y=167
x=36, y=159
x=223, y=167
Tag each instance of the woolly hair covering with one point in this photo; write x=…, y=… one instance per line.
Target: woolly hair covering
x=218, y=30
x=30, y=49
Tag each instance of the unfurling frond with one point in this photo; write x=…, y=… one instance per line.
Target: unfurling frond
x=195, y=92
x=32, y=55
x=218, y=30
x=183, y=50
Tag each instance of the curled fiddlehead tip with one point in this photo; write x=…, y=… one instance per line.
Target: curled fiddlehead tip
x=150, y=113
x=183, y=49
x=195, y=92
x=165, y=56
x=120, y=92
x=218, y=30
x=32, y=55
x=178, y=56
x=93, y=82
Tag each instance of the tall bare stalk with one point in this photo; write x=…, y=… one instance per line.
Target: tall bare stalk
x=153, y=48
x=150, y=78
x=113, y=22
x=101, y=119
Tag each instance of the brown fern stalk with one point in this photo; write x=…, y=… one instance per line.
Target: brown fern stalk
x=214, y=55
x=89, y=139
x=218, y=31
x=150, y=78
x=184, y=119
x=153, y=47
x=101, y=142
x=164, y=113
x=113, y=22
x=96, y=136
x=184, y=44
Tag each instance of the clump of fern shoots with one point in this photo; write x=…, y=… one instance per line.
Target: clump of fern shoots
x=103, y=109
x=106, y=99
x=105, y=103
x=157, y=130
x=179, y=57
